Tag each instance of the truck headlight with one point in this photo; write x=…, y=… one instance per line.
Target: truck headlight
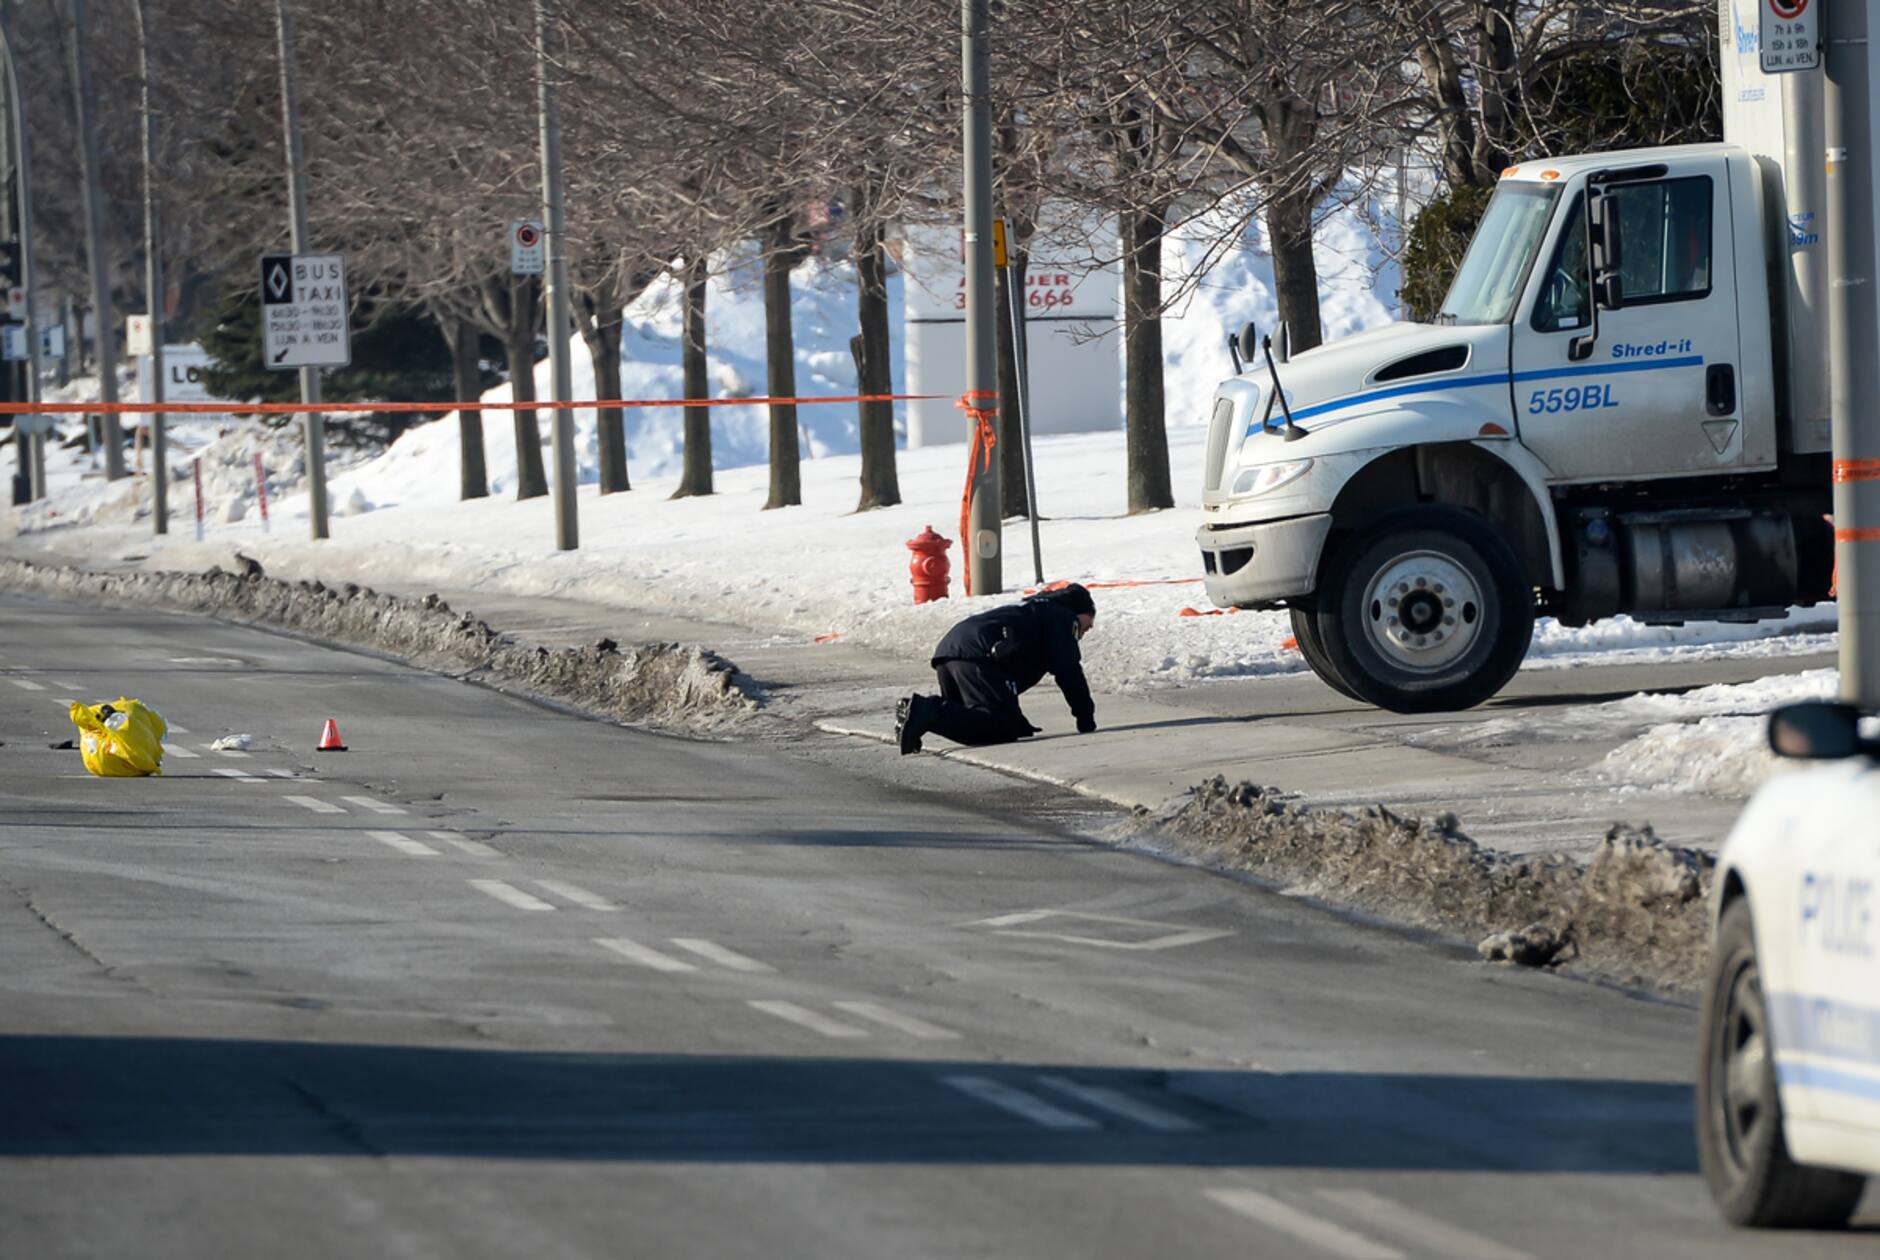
x=1265, y=477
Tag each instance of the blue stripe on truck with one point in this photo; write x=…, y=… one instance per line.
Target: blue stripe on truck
x=1491, y=378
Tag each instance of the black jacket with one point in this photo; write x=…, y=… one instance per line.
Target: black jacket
x=1025, y=642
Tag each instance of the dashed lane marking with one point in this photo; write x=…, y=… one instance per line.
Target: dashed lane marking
x=475, y=848
x=177, y=750
x=373, y=804
x=174, y=729
x=1118, y=1103
x=645, y=955
x=26, y=684
x=403, y=843
x=315, y=804
x=894, y=1019
x=240, y=776
x=719, y=954
x=803, y=1017
x=1440, y=1237
x=1019, y=1103
x=224, y=752
x=283, y=774
x=1119, y=932
x=1312, y=1230
x=64, y=686
x=509, y=895
x=577, y=894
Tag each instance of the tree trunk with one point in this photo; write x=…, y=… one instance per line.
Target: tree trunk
x=697, y=476
x=519, y=351
x=466, y=371
x=1295, y=273
x=786, y=473
x=874, y=374
x=1011, y=440
x=601, y=325
x=1147, y=433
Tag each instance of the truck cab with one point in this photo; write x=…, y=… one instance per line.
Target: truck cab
x=1597, y=422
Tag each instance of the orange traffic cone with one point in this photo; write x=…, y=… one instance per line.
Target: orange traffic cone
x=329, y=738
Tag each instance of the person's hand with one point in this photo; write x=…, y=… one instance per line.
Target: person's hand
x=1087, y=724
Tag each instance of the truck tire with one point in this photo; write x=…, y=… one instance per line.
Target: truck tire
x=1739, y=1110
x=1425, y=610
x=1305, y=624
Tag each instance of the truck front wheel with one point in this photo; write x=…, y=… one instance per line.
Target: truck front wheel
x=1425, y=610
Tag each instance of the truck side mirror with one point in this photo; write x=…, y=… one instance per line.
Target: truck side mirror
x=1248, y=342
x=1604, y=250
x=1816, y=731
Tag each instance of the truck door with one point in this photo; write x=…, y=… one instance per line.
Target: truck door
x=1658, y=393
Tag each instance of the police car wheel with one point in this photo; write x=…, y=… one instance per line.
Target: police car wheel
x=1305, y=624
x=1739, y=1110
x=1425, y=610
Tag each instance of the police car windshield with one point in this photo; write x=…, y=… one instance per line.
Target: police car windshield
x=1489, y=281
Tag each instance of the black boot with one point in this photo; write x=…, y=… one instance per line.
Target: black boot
x=910, y=723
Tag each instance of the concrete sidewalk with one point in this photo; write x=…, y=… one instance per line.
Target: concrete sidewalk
x=1290, y=732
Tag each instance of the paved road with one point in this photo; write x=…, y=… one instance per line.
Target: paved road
x=501, y=981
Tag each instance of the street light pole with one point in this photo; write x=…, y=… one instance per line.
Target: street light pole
x=153, y=285
x=985, y=513
x=1853, y=331
x=31, y=445
x=315, y=425
x=561, y=372
x=78, y=38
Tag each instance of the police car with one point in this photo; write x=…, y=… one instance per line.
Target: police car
x=1788, y=1090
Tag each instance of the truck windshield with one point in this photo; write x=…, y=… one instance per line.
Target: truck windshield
x=1490, y=278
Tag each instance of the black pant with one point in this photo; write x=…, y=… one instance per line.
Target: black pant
x=978, y=705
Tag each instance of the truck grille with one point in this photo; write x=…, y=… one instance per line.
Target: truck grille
x=1220, y=428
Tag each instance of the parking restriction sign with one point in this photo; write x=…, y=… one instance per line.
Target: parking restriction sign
x=1789, y=35
x=528, y=256
x=304, y=313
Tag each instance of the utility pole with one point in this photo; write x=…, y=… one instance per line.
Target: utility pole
x=1853, y=332
x=985, y=513
x=315, y=423
x=153, y=285
x=78, y=39
x=23, y=184
x=561, y=371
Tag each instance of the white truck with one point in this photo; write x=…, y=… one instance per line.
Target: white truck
x=1629, y=420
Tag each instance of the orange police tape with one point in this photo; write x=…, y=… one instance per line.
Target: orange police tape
x=983, y=440
x=439, y=408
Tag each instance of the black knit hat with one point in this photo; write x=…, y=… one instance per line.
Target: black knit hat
x=1073, y=598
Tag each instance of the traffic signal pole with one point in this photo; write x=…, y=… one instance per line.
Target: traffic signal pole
x=1853, y=332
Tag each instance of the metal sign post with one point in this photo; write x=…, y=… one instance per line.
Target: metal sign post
x=985, y=515
x=1002, y=259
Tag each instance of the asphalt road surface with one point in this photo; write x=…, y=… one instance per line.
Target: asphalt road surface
x=502, y=981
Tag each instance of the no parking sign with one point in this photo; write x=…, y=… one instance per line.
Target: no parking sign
x=528, y=256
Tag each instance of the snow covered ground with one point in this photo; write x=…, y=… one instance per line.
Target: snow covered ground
x=823, y=570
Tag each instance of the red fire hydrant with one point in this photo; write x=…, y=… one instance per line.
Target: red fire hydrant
x=930, y=567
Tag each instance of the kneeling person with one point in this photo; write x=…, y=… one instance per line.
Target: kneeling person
x=986, y=661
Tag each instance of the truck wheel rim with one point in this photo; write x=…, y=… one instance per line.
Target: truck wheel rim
x=1423, y=611
x=1742, y=1052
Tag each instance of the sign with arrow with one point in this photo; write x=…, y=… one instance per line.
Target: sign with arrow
x=304, y=312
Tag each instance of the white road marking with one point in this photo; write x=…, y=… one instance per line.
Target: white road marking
x=719, y=954
x=174, y=729
x=404, y=844
x=644, y=955
x=225, y=752
x=894, y=1019
x=511, y=896
x=1307, y=1228
x=577, y=894
x=376, y=806
x=1019, y=1103
x=25, y=684
x=282, y=774
x=240, y=776
x=65, y=686
x=177, y=750
x=1171, y=935
x=806, y=1018
x=475, y=848
x=315, y=804
x=1426, y=1231
x=1118, y=1103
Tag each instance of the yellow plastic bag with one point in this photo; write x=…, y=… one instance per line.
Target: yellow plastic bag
x=121, y=739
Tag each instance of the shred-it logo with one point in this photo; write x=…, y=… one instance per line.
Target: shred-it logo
x=1748, y=39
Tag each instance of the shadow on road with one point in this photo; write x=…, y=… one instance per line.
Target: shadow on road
x=124, y=1096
